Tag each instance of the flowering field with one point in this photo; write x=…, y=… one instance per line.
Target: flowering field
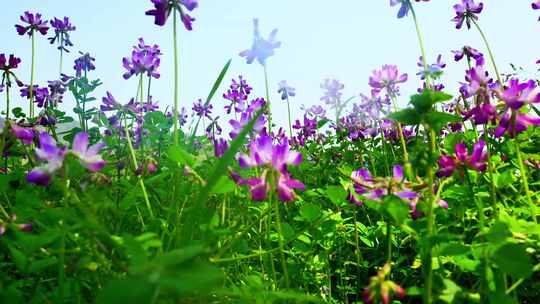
x=428, y=196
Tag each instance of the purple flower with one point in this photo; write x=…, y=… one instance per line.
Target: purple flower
x=372, y=107
x=306, y=130
x=536, y=5
x=433, y=71
x=88, y=156
x=237, y=94
x=163, y=8
x=462, y=160
x=515, y=96
x=53, y=157
x=469, y=52
x=9, y=64
x=109, y=103
x=245, y=118
x=144, y=59
x=84, y=64
x=316, y=111
x=274, y=159
x=405, y=6
x=286, y=90
x=201, y=109
x=261, y=49
x=33, y=23
x=332, y=94
x=220, y=147
x=466, y=11
x=61, y=33
x=387, y=78
x=25, y=135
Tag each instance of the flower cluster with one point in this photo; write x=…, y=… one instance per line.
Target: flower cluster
x=61, y=33
x=33, y=23
x=163, y=8
x=387, y=79
x=332, y=94
x=7, y=65
x=144, y=59
x=53, y=157
x=84, y=64
x=274, y=159
x=246, y=116
x=261, y=49
x=515, y=97
x=237, y=94
x=462, y=160
x=467, y=11
x=381, y=287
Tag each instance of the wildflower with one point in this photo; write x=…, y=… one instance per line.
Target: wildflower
x=34, y=23
x=220, y=147
x=306, y=130
x=88, y=156
x=274, y=159
x=84, y=64
x=433, y=70
x=25, y=135
x=109, y=103
x=405, y=6
x=53, y=157
x=41, y=95
x=7, y=65
x=247, y=116
x=332, y=94
x=469, y=52
x=61, y=33
x=144, y=59
x=285, y=90
x=202, y=109
x=380, y=287
x=387, y=78
x=466, y=11
x=462, y=160
x=515, y=97
x=536, y=5
x=316, y=111
x=373, y=106
x=237, y=94
x=261, y=49
x=163, y=8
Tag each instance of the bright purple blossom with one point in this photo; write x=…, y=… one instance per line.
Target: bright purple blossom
x=515, y=96
x=33, y=23
x=88, y=155
x=433, y=70
x=53, y=157
x=7, y=65
x=84, y=64
x=306, y=130
x=61, y=33
x=201, y=109
x=144, y=60
x=469, y=52
x=536, y=5
x=25, y=135
x=237, y=94
x=261, y=48
x=220, y=147
x=467, y=11
x=332, y=94
x=462, y=160
x=163, y=8
x=388, y=79
x=247, y=116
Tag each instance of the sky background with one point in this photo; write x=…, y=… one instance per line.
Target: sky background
x=342, y=39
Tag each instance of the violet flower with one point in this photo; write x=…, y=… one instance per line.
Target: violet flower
x=286, y=90
x=163, y=8
x=536, y=5
x=404, y=8
x=388, y=79
x=306, y=130
x=25, y=135
x=316, y=111
x=201, y=109
x=274, y=160
x=144, y=59
x=84, y=64
x=462, y=160
x=61, y=33
x=469, y=52
x=237, y=94
x=7, y=65
x=88, y=155
x=220, y=147
x=261, y=48
x=332, y=94
x=33, y=23
x=515, y=97
x=247, y=116
x=433, y=70
x=467, y=11
x=53, y=157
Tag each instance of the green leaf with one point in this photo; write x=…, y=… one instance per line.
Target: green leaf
x=336, y=194
x=438, y=120
x=321, y=123
x=407, y=117
x=310, y=211
x=180, y=155
x=224, y=185
x=514, y=260
x=453, y=249
x=396, y=208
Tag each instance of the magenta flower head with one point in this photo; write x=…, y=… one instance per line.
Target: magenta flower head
x=84, y=64
x=163, y=8
x=88, y=156
x=515, y=96
x=246, y=116
x=274, y=160
x=467, y=11
x=469, y=52
x=536, y=5
x=237, y=94
x=53, y=157
x=61, y=33
x=25, y=135
x=462, y=160
x=382, y=288
x=388, y=79
x=201, y=109
x=144, y=60
x=261, y=48
x=7, y=65
x=33, y=23
x=286, y=90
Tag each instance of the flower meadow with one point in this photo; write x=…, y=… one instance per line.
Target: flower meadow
x=429, y=196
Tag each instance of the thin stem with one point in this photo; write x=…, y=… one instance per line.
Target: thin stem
x=525, y=181
x=281, y=244
x=420, y=42
x=7, y=102
x=31, y=88
x=175, y=110
x=428, y=267
x=268, y=105
x=61, y=53
x=388, y=241
x=289, y=112
x=408, y=168
x=491, y=57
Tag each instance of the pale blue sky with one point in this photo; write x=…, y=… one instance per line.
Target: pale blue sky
x=345, y=39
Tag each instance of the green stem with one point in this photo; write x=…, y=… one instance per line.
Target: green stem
x=428, y=267
x=420, y=42
x=281, y=244
x=491, y=57
x=61, y=53
x=290, y=122
x=408, y=168
x=388, y=242
x=31, y=88
x=490, y=169
x=7, y=102
x=175, y=110
x=268, y=105
x=524, y=181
